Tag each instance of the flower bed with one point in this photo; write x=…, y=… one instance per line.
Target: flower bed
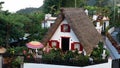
x=70, y=58
x=57, y=56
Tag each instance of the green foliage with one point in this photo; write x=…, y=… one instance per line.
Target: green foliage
x=114, y=17
x=14, y=26
x=102, y=3
x=105, y=11
x=97, y=52
x=53, y=6
x=34, y=27
x=29, y=10
x=17, y=62
x=68, y=58
x=69, y=55
x=17, y=50
x=71, y=3
x=53, y=55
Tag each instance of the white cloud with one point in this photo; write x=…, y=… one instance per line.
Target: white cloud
x=15, y=5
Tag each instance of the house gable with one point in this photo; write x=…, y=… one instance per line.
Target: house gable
x=58, y=34
x=81, y=25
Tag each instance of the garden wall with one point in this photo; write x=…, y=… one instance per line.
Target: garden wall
x=33, y=65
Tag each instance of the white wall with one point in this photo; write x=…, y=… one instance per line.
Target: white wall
x=49, y=23
x=33, y=65
x=58, y=34
x=111, y=30
x=98, y=27
x=1, y=61
x=107, y=23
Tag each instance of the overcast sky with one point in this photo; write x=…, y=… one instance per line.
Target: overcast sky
x=15, y=5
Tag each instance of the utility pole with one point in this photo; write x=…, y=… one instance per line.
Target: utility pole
x=118, y=5
x=114, y=4
x=75, y=4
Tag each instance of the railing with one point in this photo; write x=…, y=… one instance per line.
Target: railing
x=114, y=42
x=111, y=30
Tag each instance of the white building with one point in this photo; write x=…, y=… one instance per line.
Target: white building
x=72, y=30
x=101, y=22
x=49, y=20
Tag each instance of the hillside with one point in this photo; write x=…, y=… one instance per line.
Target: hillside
x=29, y=10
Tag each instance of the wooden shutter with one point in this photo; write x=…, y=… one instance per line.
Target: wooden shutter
x=63, y=26
x=81, y=47
x=57, y=46
x=72, y=46
x=50, y=44
x=57, y=43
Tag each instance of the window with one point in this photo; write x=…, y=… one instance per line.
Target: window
x=65, y=28
x=76, y=45
x=54, y=43
x=51, y=24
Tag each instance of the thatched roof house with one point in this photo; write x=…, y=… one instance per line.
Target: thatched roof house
x=81, y=26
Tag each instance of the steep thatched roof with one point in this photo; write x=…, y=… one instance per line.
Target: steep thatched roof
x=80, y=24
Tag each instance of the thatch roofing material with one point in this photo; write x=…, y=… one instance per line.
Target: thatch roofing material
x=80, y=24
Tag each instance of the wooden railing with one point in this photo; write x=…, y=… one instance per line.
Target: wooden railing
x=114, y=42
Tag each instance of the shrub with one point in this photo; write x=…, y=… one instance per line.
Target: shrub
x=53, y=56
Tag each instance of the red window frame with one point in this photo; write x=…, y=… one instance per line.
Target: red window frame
x=57, y=43
x=63, y=26
x=73, y=46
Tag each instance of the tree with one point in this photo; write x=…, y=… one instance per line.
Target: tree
x=34, y=27
x=1, y=5
x=51, y=6
x=12, y=27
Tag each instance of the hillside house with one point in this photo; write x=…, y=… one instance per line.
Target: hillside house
x=49, y=20
x=72, y=30
x=100, y=22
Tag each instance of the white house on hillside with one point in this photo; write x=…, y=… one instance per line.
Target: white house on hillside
x=101, y=22
x=49, y=20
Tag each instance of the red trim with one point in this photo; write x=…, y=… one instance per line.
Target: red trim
x=57, y=45
x=62, y=28
x=50, y=43
x=81, y=47
x=73, y=46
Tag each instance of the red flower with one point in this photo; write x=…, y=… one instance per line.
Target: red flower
x=24, y=51
x=28, y=56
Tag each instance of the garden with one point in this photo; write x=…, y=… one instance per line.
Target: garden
x=15, y=56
